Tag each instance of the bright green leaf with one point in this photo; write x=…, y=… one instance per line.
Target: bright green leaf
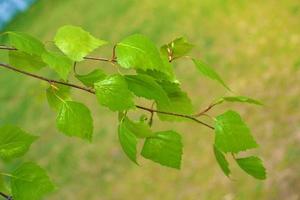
x=113, y=92
x=61, y=64
x=140, y=129
x=145, y=86
x=253, y=166
x=177, y=48
x=232, y=134
x=91, y=78
x=75, y=42
x=164, y=148
x=128, y=141
x=14, y=142
x=26, y=43
x=139, y=52
x=74, y=119
x=242, y=99
x=57, y=95
x=25, y=61
x=30, y=181
x=223, y=163
x=179, y=102
x=209, y=72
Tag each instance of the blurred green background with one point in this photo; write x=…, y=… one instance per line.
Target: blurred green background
x=254, y=45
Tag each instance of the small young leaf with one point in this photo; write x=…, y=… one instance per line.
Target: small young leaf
x=57, y=95
x=223, y=163
x=128, y=141
x=140, y=129
x=164, y=148
x=209, y=72
x=91, y=78
x=30, y=181
x=14, y=142
x=177, y=48
x=253, y=166
x=145, y=86
x=61, y=64
x=25, y=61
x=74, y=119
x=26, y=43
x=179, y=102
x=242, y=99
x=113, y=92
x=75, y=42
x=139, y=52
x=232, y=134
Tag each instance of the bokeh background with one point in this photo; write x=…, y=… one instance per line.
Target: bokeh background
x=254, y=45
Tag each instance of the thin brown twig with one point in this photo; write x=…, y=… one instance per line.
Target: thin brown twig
x=5, y=196
x=3, y=47
x=205, y=110
x=51, y=81
x=112, y=60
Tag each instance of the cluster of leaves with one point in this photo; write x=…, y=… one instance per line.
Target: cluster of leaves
x=150, y=76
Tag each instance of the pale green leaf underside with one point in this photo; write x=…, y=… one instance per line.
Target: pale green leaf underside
x=113, y=93
x=91, y=78
x=242, y=99
x=253, y=166
x=232, y=134
x=25, y=61
x=61, y=64
x=74, y=119
x=223, y=163
x=128, y=141
x=30, y=181
x=57, y=95
x=14, y=142
x=164, y=148
x=26, y=43
x=75, y=42
x=177, y=48
x=145, y=86
x=179, y=102
x=140, y=129
x=209, y=72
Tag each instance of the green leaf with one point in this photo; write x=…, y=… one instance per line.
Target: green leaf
x=242, y=99
x=177, y=48
x=74, y=119
x=75, y=42
x=232, y=134
x=61, y=64
x=139, y=52
x=25, y=61
x=209, y=72
x=145, y=86
x=253, y=166
x=140, y=129
x=179, y=102
x=14, y=142
x=113, y=93
x=91, y=78
x=223, y=163
x=26, y=43
x=164, y=148
x=128, y=141
x=30, y=181
x=57, y=95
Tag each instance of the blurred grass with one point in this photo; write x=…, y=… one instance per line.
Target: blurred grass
x=255, y=45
